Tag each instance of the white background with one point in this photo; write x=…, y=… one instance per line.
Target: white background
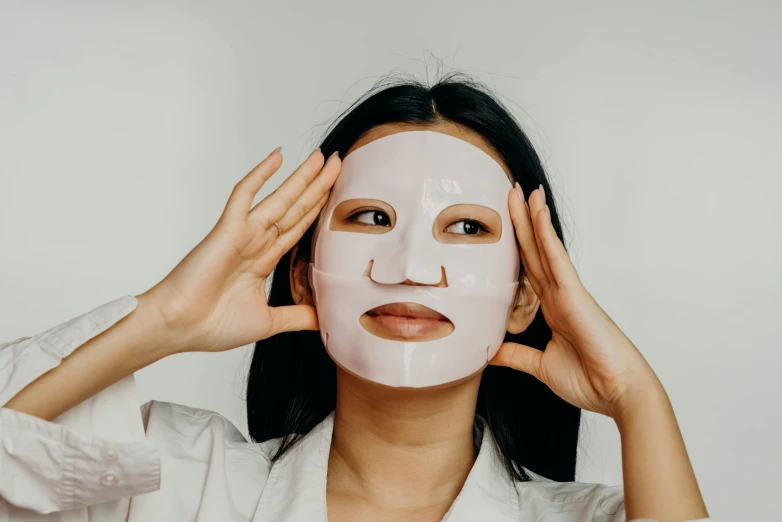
x=123, y=130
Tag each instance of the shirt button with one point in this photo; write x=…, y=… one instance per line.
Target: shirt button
x=109, y=452
x=109, y=478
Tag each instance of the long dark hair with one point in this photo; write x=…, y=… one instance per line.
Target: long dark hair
x=291, y=386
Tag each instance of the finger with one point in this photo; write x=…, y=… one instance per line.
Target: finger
x=311, y=196
x=293, y=318
x=537, y=207
x=276, y=204
x=562, y=269
x=244, y=192
x=290, y=237
x=529, y=249
x=519, y=357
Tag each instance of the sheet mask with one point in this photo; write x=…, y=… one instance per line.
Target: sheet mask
x=419, y=174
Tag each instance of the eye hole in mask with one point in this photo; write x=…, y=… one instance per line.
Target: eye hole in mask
x=366, y=216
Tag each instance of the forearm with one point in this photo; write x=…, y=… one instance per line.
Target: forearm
x=659, y=481
x=135, y=341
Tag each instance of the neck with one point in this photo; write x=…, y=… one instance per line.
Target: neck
x=402, y=448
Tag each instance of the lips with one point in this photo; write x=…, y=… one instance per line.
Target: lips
x=409, y=310
x=406, y=322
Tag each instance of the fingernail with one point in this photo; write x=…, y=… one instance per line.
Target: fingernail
x=543, y=192
x=333, y=154
x=314, y=151
x=275, y=150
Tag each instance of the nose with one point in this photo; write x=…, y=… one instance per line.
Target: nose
x=378, y=278
x=408, y=258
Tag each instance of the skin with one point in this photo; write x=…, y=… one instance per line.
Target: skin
x=397, y=454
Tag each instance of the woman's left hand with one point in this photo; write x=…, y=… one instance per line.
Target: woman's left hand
x=589, y=361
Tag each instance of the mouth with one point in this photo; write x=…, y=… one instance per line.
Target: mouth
x=406, y=322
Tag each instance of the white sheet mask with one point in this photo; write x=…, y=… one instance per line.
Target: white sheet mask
x=419, y=174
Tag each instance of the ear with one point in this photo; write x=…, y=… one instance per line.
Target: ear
x=527, y=304
x=298, y=275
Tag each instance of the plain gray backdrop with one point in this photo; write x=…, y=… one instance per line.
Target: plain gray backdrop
x=125, y=125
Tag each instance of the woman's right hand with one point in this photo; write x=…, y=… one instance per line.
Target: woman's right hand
x=215, y=298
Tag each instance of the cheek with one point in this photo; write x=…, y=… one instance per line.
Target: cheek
x=482, y=264
x=344, y=253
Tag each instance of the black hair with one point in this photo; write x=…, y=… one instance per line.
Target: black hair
x=291, y=386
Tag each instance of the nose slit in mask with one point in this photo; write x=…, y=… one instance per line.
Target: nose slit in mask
x=444, y=281
x=368, y=269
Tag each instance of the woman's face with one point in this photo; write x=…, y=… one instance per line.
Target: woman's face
x=457, y=224
x=415, y=262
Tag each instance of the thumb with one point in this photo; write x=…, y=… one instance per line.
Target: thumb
x=519, y=357
x=293, y=318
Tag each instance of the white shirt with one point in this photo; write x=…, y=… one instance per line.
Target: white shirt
x=109, y=460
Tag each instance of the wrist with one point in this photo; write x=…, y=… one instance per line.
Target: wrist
x=646, y=397
x=166, y=335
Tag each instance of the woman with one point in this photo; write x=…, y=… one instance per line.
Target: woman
x=410, y=270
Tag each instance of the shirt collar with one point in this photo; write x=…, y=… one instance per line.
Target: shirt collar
x=296, y=488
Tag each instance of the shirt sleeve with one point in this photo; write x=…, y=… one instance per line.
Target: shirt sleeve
x=612, y=506
x=93, y=453
x=574, y=501
x=653, y=520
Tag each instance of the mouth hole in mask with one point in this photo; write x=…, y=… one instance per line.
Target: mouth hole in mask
x=406, y=322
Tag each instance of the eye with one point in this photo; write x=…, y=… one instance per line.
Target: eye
x=371, y=217
x=468, y=227
x=466, y=223
x=364, y=216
